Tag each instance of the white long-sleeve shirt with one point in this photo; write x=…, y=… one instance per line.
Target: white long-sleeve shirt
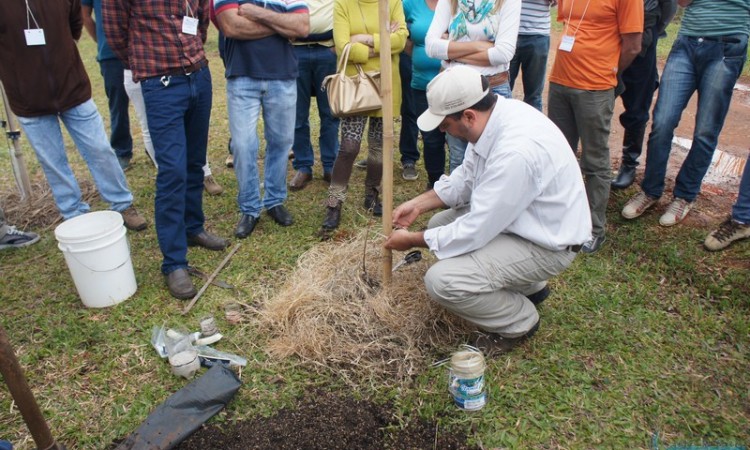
x=522, y=178
x=504, y=33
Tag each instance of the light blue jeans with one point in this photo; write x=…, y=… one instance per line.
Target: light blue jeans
x=710, y=66
x=278, y=99
x=456, y=146
x=86, y=127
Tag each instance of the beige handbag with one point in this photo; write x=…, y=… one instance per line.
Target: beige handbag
x=354, y=95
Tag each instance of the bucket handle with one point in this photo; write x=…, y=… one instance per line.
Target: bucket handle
x=72, y=255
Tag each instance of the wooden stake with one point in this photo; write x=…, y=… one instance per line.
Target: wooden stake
x=386, y=94
x=210, y=279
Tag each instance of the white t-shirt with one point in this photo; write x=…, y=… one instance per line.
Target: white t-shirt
x=522, y=178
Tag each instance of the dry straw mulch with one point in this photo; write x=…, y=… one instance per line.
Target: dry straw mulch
x=332, y=317
x=39, y=212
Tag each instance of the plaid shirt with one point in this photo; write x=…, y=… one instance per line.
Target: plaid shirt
x=146, y=35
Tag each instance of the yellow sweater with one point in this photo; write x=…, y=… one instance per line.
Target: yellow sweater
x=352, y=17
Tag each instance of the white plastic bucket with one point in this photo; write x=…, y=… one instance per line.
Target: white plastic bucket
x=98, y=257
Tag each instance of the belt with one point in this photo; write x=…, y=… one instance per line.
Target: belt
x=187, y=70
x=574, y=248
x=311, y=45
x=498, y=79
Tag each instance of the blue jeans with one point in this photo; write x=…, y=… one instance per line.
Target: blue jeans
x=407, y=140
x=315, y=62
x=278, y=98
x=741, y=208
x=178, y=109
x=433, y=141
x=456, y=146
x=86, y=127
x=531, y=59
x=119, y=120
x=711, y=66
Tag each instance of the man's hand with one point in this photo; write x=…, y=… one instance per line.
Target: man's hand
x=404, y=240
x=405, y=215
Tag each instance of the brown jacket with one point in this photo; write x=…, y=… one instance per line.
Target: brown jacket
x=45, y=79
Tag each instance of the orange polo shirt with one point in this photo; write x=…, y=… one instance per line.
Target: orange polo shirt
x=597, y=26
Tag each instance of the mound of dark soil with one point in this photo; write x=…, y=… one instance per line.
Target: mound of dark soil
x=325, y=421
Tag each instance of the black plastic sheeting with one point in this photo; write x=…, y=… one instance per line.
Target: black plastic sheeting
x=184, y=411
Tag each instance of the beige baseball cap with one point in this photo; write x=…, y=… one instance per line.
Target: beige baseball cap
x=452, y=90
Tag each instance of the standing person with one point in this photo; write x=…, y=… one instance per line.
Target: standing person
x=423, y=69
x=162, y=43
x=11, y=237
x=46, y=83
x=707, y=56
x=112, y=72
x=641, y=79
x=355, y=22
x=532, y=48
x=517, y=210
x=600, y=40
x=737, y=225
x=481, y=34
x=261, y=72
x=316, y=59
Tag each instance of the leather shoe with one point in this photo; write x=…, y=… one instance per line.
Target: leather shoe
x=333, y=216
x=180, y=285
x=492, y=344
x=594, y=244
x=625, y=177
x=281, y=215
x=300, y=180
x=539, y=296
x=245, y=226
x=373, y=203
x=208, y=241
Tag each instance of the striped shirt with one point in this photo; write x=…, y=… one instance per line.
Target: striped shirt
x=716, y=18
x=534, y=17
x=147, y=35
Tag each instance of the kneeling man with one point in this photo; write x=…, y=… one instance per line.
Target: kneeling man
x=517, y=216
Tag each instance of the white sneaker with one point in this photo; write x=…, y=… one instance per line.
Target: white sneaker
x=638, y=205
x=676, y=211
x=729, y=231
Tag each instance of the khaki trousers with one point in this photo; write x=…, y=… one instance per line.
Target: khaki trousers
x=488, y=286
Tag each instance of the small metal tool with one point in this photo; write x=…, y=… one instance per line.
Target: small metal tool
x=411, y=257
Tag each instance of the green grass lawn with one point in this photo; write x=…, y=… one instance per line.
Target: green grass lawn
x=650, y=335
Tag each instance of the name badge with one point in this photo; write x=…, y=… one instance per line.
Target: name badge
x=34, y=36
x=190, y=25
x=566, y=44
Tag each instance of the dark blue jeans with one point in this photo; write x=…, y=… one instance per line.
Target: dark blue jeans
x=407, y=141
x=710, y=66
x=741, y=208
x=119, y=121
x=434, y=141
x=315, y=62
x=178, y=110
x=531, y=59
x=641, y=79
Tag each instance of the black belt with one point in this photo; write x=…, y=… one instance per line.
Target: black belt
x=187, y=70
x=574, y=248
x=312, y=45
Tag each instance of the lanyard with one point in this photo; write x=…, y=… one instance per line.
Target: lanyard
x=570, y=11
x=188, y=9
x=30, y=14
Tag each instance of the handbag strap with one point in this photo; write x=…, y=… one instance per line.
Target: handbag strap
x=343, y=59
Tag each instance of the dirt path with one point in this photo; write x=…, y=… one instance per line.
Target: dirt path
x=719, y=190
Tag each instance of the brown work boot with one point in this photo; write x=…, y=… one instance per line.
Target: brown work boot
x=180, y=285
x=300, y=180
x=212, y=187
x=133, y=220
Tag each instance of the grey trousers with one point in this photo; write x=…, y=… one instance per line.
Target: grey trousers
x=488, y=286
x=586, y=115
